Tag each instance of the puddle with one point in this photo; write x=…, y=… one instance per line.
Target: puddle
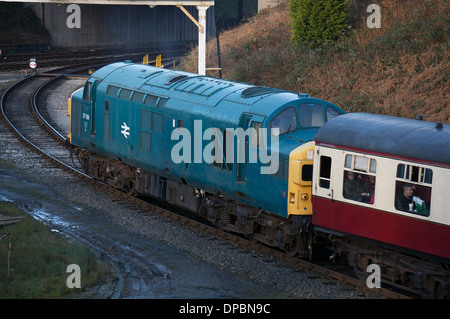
x=149, y=268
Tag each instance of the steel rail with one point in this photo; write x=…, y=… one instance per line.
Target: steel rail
x=34, y=98
x=21, y=137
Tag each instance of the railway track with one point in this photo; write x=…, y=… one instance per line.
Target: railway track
x=26, y=123
x=55, y=59
x=21, y=114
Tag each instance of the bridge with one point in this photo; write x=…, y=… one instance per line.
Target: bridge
x=169, y=31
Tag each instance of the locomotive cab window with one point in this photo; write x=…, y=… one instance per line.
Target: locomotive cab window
x=311, y=115
x=285, y=121
x=87, y=91
x=413, y=189
x=359, y=178
x=331, y=113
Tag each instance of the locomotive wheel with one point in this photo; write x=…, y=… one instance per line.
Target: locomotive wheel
x=292, y=250
x=302, y=245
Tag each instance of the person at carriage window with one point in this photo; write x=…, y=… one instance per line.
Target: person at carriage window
x=354, y=188
x=369, y=187
x=404, y=200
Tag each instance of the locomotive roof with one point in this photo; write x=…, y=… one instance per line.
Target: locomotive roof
x=202, y=90
x=223, y=103
x=414, y=139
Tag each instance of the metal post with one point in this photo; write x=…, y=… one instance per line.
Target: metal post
x=202, y=40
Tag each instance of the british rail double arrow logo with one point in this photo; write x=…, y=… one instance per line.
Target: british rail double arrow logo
x=125, y=130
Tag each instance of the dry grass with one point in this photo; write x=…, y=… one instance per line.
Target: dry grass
x=401, y=69
x=268, y=21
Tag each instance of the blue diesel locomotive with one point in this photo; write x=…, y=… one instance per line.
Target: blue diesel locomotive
x=218, y=148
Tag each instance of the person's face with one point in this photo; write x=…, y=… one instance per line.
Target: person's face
x=408, y=191
x=351, y=176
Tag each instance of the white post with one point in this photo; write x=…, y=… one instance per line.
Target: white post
x=202, y=39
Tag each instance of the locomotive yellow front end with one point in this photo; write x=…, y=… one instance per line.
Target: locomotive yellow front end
x=300, y=179
x=74, y=115
x=69, y=111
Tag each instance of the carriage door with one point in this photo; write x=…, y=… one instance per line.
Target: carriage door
x=323, y=187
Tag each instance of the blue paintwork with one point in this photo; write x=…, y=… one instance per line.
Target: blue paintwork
x=188, y=97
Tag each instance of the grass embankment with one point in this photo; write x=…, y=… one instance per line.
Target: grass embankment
x=401, y=69
x=39, y=259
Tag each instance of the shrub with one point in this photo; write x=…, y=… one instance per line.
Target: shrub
x=316, y=21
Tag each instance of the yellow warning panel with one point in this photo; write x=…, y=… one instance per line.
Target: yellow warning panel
x=158, y=61
x=145, y=60
x=300, y=180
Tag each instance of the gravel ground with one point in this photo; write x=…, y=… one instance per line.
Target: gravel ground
x=184, y=262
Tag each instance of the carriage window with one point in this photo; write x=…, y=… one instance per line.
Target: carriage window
x=311, y=115
x=325, y=172
x=285, y=121
x=361, y=163
x=359, y=178
x=413, y=189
